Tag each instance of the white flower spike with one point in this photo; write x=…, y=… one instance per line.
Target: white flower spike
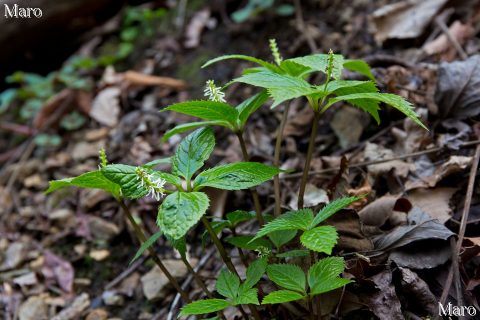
x=152, y=184
x=213, y=92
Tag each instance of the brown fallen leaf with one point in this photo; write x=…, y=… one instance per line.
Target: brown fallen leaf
x=442, y=45
x=59, y=270
x=389, y=208
x=404, y=19
x=418, y=289
x=351, y=237
x=106, y=106
x=435, y=202
x=376, y=152
x=384, y=302
x=195, y=27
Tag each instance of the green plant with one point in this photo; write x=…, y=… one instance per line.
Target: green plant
x=298, y=234
x=254, y=8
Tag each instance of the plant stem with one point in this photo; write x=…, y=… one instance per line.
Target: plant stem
x=276, y=161
x=142, y=238
x=256, y=199
x=308, y=160
x=228, y=262
x=196, y=277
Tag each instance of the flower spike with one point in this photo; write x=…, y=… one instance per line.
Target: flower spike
x=213, y=92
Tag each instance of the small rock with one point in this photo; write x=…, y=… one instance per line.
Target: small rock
x=15, y=255
x=34, y=308
x=101, y=229
x=112, y=298
x=155, y=280
x=97, y=314
x=99, y=255
x=61, y=214
x=129, y=284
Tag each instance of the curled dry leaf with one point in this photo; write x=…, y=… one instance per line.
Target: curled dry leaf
x=106, y=106
x=376, y=152
x=419, y=290
x=58, y=269
x=351, y=237
x=422, y=254
x=194, y=29
x=442, y=45
x=389, y=208
x=384, y=302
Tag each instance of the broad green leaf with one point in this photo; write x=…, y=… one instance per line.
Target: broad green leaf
x=293, y=254
x=180, y=211
x=157, y=162
x=288, y=276
x=179, y=244
x=130, y=183
x=292, y=220
x=319, y=62
x=249, y=106
x=320, y=239
x=255, y=271
x=235, y=176
x=247, y=242
x=237, y=216
x=282, y=296
x=206, y=110
x=334, y=86
x=294, y=69
x=246, y=295
x=93, y=179
x=193, y=125
x=332, y=208
x=367, y=105
x=393, y=100
x=204, y=306
x=281, y=237
x=263, y=63
x=147, y=244
x=323, y=276
x=192, y=152
x=281, y=87
x=227, y=284
x=359, y=66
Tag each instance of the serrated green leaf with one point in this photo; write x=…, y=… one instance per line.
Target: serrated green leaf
x=227, y=284
x=293, y=254
x=281, y=237
x=281, y=87
x=393, y=100
x=282, y=296
x=90, y=180
x=193, y=125
x=294, y=69
x=247, y=242
x=246, y=295
x=147, y=244
x=332, y=208
x=319, y=62
x=288, y=276
x=206, y=110
x=292, y=220
x=179, y=244
x=323, y=275
x=180, y=211
x=263, y=63
x=255, y=271
x=359, y=66
x=320, y=239
x=204, y=306
x=237, y=216
x=235, y=176
x=249, y=106
x=192, y=152
x=367, y=105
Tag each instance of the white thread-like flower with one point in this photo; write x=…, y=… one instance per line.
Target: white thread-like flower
x=213, y=92
x=152, y=184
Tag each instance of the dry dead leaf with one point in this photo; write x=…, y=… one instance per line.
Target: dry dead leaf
x=194, y=29
x=376, y=152
x=384, y=302
x=419, y=290
x=405, y=19
x=58, y=269
x=313, y=196
x=106, y=106
x=351, y=237
x=389, y=208
x=435, y=202
x=348, y=124
x=459, y=31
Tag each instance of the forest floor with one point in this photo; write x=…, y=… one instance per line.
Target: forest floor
x=414, y=241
